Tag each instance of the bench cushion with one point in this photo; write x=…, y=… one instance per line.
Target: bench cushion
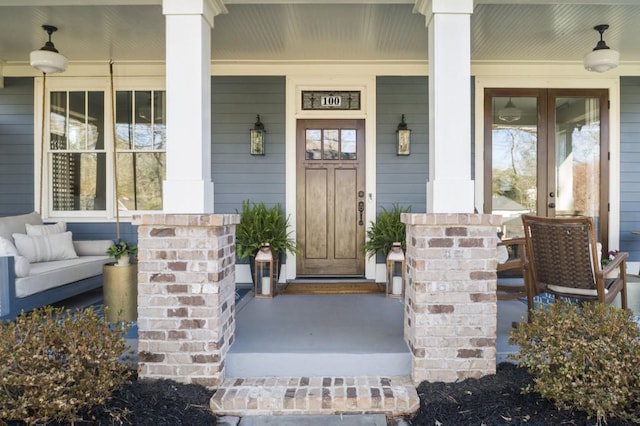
x=46, y=275
x=10, y=225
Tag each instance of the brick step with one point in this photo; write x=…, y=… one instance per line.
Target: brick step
x=392, y=396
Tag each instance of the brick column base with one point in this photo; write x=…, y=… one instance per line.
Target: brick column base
x=186, y=296
x=450, y=296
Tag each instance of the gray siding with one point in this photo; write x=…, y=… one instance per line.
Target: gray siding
x=630, y=166
x=238, y=175
x=402, y=179
x=16, y=146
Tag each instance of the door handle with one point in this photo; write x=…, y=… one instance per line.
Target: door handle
x=361, y=210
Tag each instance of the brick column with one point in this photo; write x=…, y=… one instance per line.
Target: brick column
x=450, y=296
x=186, y=295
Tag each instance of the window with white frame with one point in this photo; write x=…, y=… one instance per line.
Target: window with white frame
x=95, y=164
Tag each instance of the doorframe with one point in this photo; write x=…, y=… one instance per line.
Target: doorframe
x=293, y=111
x=612, y=84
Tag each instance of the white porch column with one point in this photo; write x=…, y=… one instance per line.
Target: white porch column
x=188, y=187
x=450, y=188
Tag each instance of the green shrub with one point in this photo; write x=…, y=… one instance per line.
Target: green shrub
x=260, y=224
x=54, y=364
x=583, y=357
x=387, y=230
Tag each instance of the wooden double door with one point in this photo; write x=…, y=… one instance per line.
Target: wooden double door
x=330, y=224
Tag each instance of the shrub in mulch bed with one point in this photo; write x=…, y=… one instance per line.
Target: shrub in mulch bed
x=492, y=400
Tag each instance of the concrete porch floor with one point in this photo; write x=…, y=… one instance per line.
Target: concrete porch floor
x=319, y=335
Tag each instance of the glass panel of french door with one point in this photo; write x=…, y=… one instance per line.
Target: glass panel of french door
x=514, y=161
x=577, y=152
x=546, y=154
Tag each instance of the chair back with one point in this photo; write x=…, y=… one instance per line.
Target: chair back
x=561, y=252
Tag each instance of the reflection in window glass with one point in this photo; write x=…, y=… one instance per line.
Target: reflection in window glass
x=331, y=145
x=77, y=168
x=141, y=141
x=348, y=144
x=514, y=163
x=76, y=183
x=313, y=144
x=140, y=177
x=577, y=157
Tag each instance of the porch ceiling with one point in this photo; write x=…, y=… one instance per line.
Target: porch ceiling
x=305, y=30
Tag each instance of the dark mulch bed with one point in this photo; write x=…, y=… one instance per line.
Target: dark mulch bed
x=491, y=400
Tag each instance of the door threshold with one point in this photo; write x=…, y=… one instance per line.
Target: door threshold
x=328, y=280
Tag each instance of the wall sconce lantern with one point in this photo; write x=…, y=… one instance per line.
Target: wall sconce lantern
x=404, y=138
x=264, y=284
x=395, y=271
x=257, y=137
x=47, y=59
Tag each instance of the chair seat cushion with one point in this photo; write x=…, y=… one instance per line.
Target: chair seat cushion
x=579, y=291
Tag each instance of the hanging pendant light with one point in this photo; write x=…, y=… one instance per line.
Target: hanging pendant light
x=601, y=58
x=509, y=113
x=47, y=59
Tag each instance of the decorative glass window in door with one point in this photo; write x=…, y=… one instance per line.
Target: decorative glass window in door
x=330, y=144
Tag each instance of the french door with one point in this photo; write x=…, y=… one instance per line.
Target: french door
x=547, y=153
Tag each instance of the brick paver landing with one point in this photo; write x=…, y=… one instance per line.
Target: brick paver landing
x=392, y=396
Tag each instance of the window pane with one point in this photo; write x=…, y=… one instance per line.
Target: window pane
x=159, y=125
x=124, y=120
x=140, y=177
x=58, y=120
x=330, y=144
x=348, y=144
x=78, y=181
x=142, y=138
x=514, y=161
x=95, y=121
x=313, y=144
x=577, y=157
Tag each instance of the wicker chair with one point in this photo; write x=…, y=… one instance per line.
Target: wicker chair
x=510, y=284
x=562, y=259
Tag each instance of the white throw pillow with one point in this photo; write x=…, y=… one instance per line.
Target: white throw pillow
x=57, y=228
x=45, y=248
x=21, y=264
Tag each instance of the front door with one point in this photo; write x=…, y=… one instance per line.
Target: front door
x=546, y=153
x=330, y=222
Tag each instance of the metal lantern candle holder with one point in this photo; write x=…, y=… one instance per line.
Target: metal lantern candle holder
x=264, y=284
x=395, y=271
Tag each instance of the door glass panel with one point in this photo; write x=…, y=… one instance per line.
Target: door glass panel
x=577, y=156
x=348, y=144
x=514, y=161
x=331, y=149
x=313, y=144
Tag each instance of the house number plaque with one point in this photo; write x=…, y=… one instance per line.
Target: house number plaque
x=319, y=100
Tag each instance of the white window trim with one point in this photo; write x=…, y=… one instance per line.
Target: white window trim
x=41, y=180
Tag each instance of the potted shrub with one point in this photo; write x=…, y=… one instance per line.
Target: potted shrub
x=259, y=225
x=122, y=252
x=387, y=230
